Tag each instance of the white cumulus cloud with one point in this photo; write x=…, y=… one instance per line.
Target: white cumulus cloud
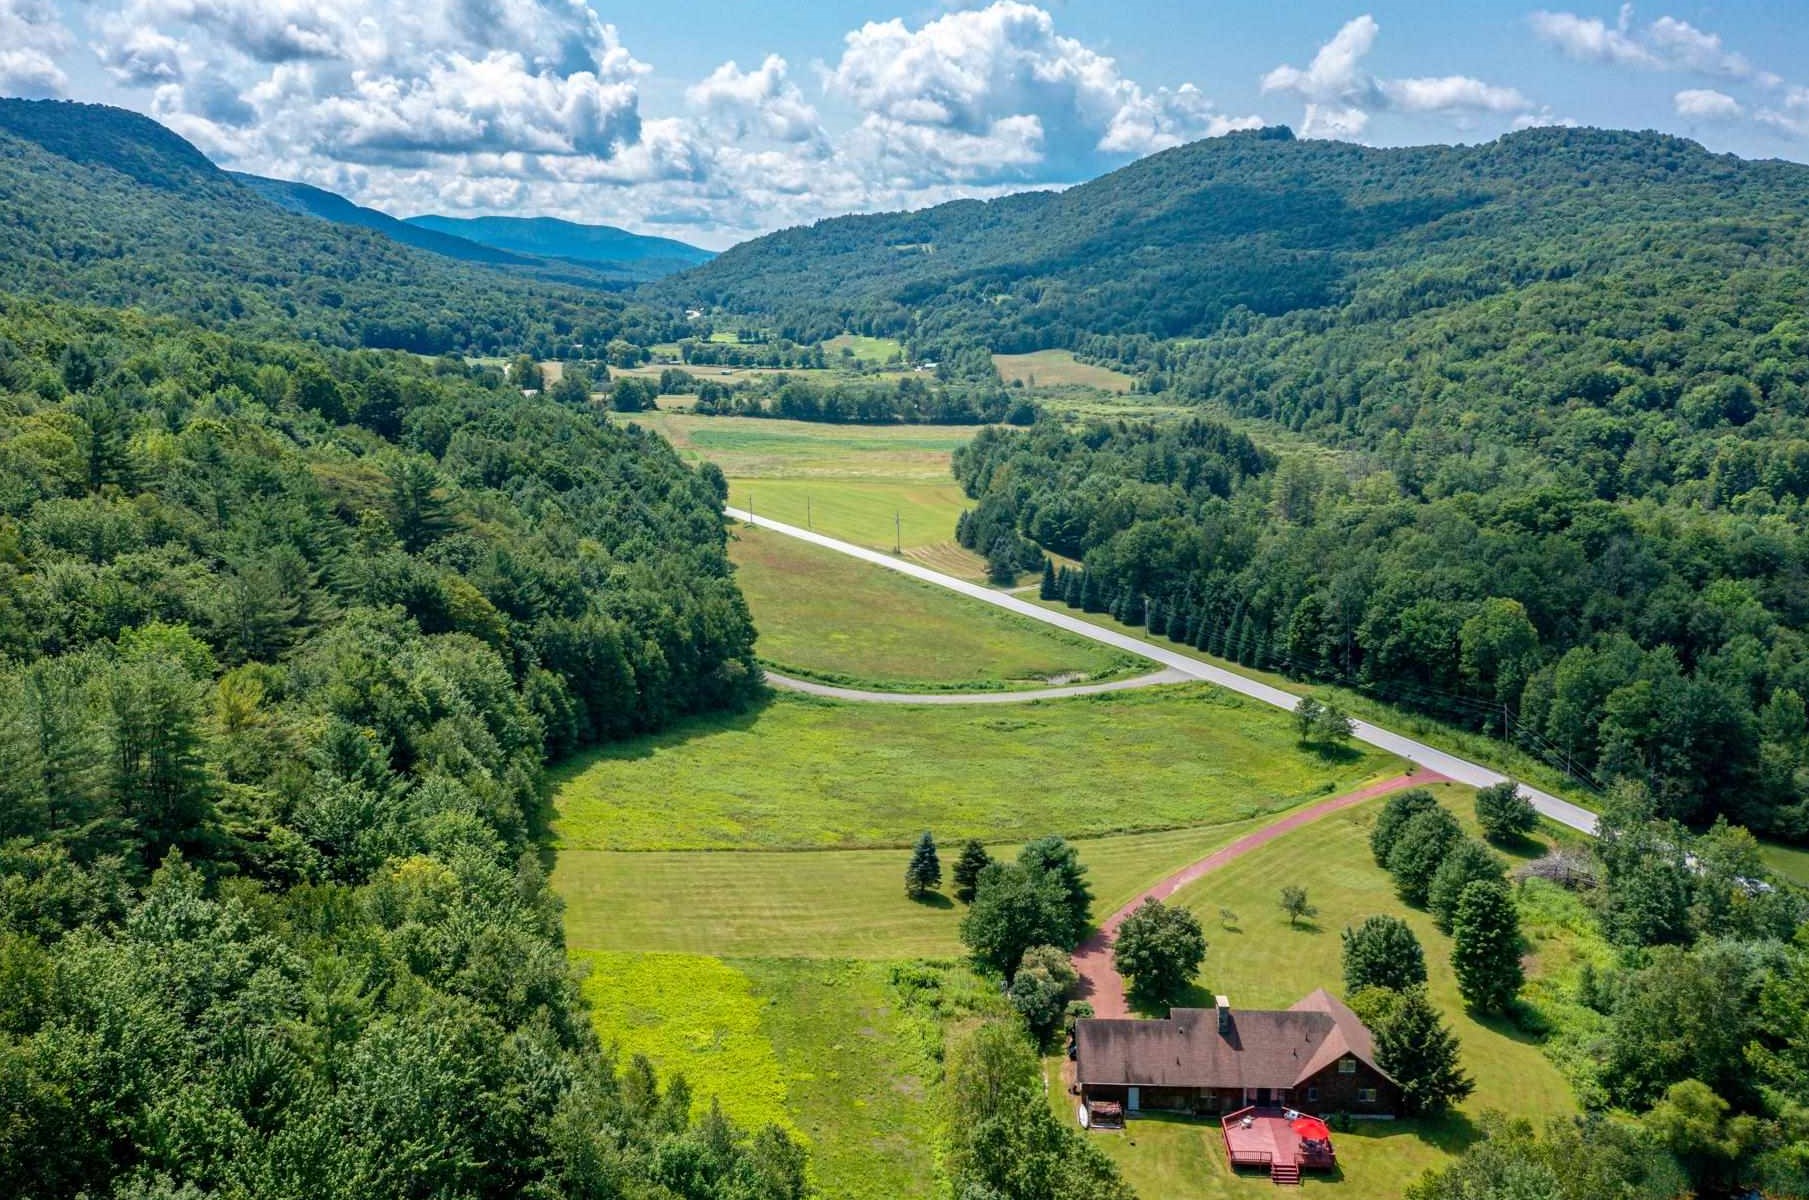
x=1706, y=104
x=762, y=102
x=1665, y=44
x=997, y=92
x=1340, y=94
x=32, y=37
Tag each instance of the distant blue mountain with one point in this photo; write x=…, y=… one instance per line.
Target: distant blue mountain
x=316, y=202
x=598, y=245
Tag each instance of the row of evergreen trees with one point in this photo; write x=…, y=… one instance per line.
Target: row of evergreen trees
x=1205, y=623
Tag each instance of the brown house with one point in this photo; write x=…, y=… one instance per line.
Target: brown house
x=1315, y=1057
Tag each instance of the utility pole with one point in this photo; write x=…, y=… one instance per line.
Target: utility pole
x=897, y=532
x=750, y=508
x=807, y=523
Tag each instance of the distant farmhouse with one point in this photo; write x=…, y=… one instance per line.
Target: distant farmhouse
x=1261, y=1071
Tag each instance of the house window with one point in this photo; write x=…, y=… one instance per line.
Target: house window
x=1312, y=1093
x=1347, y=1066
x=1366, y=1095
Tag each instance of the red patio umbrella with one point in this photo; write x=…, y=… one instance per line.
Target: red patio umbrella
x=1311, y=1129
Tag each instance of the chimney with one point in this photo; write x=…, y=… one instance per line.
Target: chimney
x=1223, y=1003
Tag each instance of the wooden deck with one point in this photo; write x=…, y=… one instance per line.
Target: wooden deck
x=1267, y=1142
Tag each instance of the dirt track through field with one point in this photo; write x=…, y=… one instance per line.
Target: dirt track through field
x=1102, y=986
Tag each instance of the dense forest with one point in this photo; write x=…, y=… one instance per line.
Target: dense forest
x=102, y=206
x=1218, y=237
x=288, y=634
x=1660, y=642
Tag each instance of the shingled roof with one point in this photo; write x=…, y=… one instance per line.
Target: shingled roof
x=1260, y=1049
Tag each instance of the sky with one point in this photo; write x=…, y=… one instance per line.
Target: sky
x=714, y=121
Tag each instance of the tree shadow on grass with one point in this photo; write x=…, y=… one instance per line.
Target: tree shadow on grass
x=637, y=746
x=932, y=900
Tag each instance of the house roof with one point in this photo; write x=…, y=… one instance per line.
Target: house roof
x=1263, y=1048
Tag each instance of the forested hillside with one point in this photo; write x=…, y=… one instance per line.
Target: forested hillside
x=629, y=255
x=1204, y=240
x=289, y=634
x=102, y=206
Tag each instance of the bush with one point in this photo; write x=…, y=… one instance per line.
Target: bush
x=1505, y=813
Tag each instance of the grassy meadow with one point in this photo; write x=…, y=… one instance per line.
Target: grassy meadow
x=829, y=617
x=1058, y=369
x=820, y=904
x=802, y=773
x=819, y=1047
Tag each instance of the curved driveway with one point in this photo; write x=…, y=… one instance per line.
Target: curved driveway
x=812, y=688
x=1449, y=765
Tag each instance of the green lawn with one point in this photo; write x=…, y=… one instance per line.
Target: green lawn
x=826, y=616
x=819, y=1047
x=800, y=773
x=1792, y=862
x=818, y=903
x=1264, y=963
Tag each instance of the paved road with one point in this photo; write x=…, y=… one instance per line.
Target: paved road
x=1102, y=986
x=787, y=683
x=1430, y=757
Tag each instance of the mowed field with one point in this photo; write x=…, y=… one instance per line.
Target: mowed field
x=1262, y=962
x=826, y=616
x=802, y=773
x=1057, y=369
x=880, y=486
x=819, y=904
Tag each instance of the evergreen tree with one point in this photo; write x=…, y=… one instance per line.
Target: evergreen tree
x=1180, y=623
x=973, y=860
x=419, y=511
x=1054, y=859
x=1073, y=593
x=1154, y=618
x=1089, y=591
x=1047, y=590
x=924, y=872
x=1382, y=952
x=1469, y=861
x=1421, y=1055
x=1485, y=950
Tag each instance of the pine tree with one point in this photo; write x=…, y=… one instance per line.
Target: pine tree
x=924, y=873
x=1089, y=592
x=1072, y=593
x=1154, y=617
x=973, y=860
x=1047, y=590
x=1179, y=623
x=1485, y=948
x=1421, y=1055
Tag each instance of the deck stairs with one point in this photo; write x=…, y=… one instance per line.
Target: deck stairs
x=1284, y=1174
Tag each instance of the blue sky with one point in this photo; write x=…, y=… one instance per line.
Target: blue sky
x=715, y=121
